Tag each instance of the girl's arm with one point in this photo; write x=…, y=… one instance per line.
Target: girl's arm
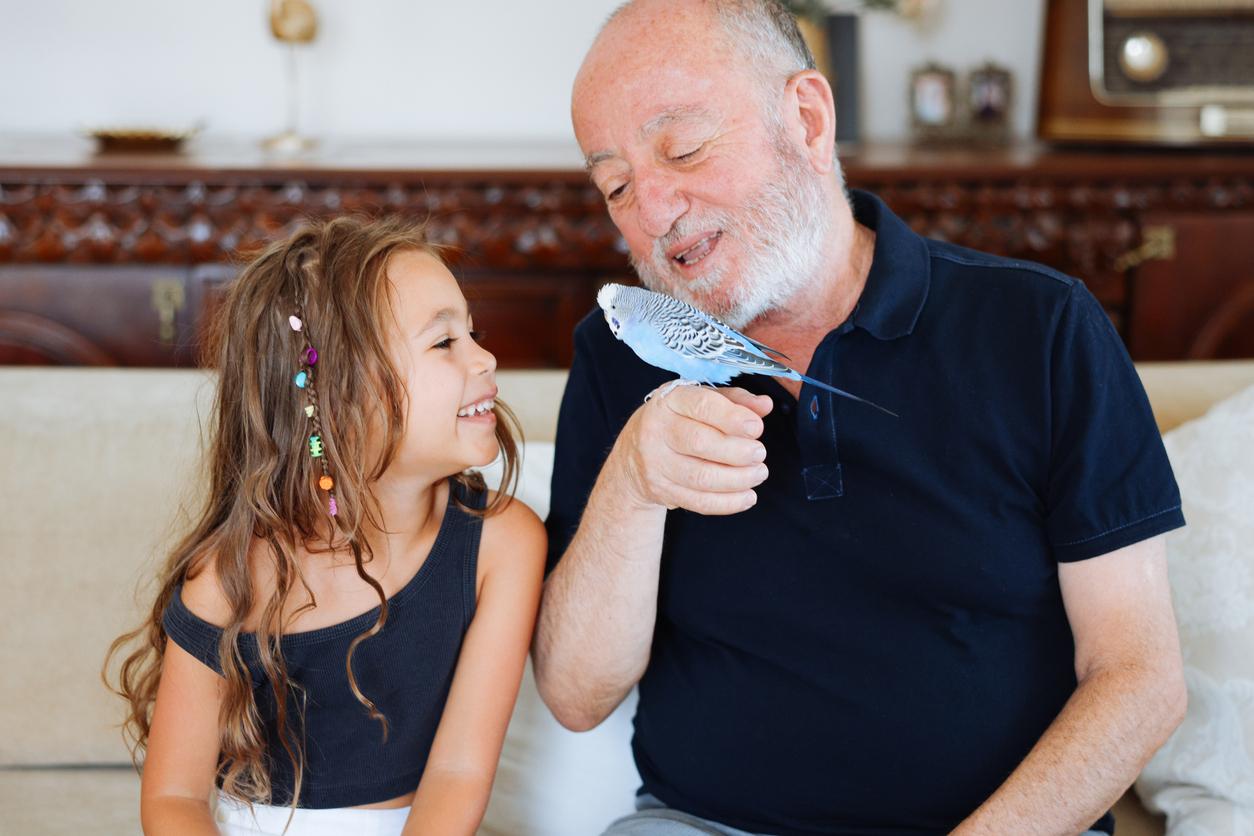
x=453, y=793
x=182, y=758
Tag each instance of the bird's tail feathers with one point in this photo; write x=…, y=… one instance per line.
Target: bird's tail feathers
x=844, y=394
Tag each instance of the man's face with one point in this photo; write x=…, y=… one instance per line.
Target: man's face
x=717, y=208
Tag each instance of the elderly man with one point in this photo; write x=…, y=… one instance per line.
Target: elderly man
x=953, y=621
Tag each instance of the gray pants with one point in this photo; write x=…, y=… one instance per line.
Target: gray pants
x=653, y=818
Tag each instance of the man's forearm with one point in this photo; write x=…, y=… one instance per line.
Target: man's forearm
x=596, y=619
x=1087, y=758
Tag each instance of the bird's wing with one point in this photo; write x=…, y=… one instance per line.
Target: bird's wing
x=698, y=336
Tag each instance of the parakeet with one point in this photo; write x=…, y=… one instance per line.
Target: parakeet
x=675, y=336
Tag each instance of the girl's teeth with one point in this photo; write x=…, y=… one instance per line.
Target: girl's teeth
x=477, y=409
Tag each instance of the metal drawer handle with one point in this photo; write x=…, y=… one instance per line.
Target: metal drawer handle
x=1157, y=243
x=167, y=301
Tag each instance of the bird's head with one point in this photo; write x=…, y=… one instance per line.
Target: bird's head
x=607, y=298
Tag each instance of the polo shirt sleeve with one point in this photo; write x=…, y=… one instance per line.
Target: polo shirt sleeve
x=584, y=439
x=1110, y=484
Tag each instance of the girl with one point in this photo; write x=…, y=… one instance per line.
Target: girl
x=338, y=643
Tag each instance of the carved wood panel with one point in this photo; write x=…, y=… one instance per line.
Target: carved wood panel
x=82, y=246
x=497, y=223
x=1179, y=310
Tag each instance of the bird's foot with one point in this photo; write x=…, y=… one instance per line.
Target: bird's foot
x=670, y=387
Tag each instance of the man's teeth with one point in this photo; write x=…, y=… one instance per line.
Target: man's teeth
x=698, y=250
x=477, y=409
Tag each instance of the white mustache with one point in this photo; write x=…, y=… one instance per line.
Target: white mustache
x=780, y=230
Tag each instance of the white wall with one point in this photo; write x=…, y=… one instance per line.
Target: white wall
x=495, y=69
x=962, y=35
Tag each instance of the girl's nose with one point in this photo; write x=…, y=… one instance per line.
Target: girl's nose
x=484, y=360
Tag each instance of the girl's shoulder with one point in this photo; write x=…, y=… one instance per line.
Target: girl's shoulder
x=202, y=591
x=203, y=596
x=513, y=539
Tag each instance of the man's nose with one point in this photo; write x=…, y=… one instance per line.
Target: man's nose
x=659, y=202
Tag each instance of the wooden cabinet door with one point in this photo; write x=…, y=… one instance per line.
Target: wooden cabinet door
x=1197, y=300
x=529, y=320
x=61, y=314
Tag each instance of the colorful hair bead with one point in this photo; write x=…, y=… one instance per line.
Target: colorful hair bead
x=303, y=379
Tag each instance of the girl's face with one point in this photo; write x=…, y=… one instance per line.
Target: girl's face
x=450, y=423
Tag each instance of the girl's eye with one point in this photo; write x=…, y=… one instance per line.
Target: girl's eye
x=447, y=342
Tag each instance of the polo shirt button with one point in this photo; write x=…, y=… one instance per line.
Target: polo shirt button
x=814, y=407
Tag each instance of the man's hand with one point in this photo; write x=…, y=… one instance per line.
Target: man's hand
x=694, y=448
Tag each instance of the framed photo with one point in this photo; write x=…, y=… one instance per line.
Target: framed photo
x=990, y=94
x=933, y=105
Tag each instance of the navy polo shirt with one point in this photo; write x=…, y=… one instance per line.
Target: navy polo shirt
x=878, y=642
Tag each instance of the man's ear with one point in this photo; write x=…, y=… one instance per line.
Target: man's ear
x=813, y=117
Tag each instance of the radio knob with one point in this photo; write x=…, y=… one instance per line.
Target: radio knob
x=1143, y=56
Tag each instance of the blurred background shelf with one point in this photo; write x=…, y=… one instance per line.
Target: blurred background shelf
x=117, y=258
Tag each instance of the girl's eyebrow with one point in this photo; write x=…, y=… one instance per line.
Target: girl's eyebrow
x=442, y=315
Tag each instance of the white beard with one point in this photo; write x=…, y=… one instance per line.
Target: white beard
x=782, y=229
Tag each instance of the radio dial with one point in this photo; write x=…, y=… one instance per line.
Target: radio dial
x=1143, y=57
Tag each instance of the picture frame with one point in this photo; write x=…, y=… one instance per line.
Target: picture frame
x=989, y=100
x=933, y=102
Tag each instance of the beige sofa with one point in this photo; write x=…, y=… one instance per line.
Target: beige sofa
x=94, y=465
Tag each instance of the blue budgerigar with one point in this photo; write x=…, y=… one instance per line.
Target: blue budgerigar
x=679, y=338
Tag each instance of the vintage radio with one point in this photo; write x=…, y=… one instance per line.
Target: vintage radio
x=1148, y=71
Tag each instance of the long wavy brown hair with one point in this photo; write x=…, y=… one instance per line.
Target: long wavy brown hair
x=263, y=483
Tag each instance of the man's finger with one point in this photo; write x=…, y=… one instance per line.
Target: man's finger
x=715, y=504
x=709, y=406
x=707, y=477
x=761, y=404
x=701, y=441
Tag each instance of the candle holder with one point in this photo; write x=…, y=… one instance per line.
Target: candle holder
x=293, y=23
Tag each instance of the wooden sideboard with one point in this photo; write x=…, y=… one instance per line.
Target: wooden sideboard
x=117, y=259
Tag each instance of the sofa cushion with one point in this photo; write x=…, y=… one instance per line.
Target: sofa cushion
x=96, y=466
x=1203, y=778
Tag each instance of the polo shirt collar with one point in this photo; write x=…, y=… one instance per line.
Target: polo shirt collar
x=897, y=285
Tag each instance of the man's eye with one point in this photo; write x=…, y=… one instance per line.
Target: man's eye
x=617, y=193
x=688, y=156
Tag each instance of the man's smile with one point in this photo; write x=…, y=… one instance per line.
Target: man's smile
x=691, y=251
